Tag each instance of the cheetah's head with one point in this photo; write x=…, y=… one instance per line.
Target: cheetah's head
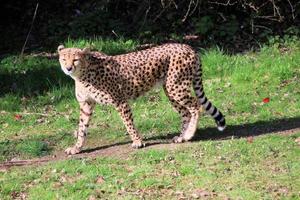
x=72, y=59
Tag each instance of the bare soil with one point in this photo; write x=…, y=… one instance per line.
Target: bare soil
x=123, y=150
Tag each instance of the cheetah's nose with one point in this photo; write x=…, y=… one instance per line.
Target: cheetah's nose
x=69, y=68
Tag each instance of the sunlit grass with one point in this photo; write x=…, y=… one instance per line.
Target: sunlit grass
x=263, y=169
x=107, y=46
x=43, y=96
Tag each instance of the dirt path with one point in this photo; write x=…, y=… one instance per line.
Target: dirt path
x=117, y=150
x=121, y=151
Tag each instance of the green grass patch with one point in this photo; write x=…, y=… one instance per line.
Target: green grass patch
x=267, y=168
x=38, y=114
x=108, y=46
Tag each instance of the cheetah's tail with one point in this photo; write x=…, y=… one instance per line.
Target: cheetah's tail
x=208, y=106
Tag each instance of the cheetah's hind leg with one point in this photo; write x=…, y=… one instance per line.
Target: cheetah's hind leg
x=188, y=108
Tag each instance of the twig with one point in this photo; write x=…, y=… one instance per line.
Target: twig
x=163, y=10
x=30, y=113
x=30, y=29
x=197, y=2
x=145, y=46
x=223, y=4
x=188, y=11
x=276, y=10
x=270, y=17
x=252, y=6
x=264, y=27
x=252, y=26
x=159, y=14
x=42, y=114
x=262, y=5
x=175, y=4
x=8, y=164
x=163, y=3
x=115, y=34
x=146, y=14
x=292, y=8
x=223, y=17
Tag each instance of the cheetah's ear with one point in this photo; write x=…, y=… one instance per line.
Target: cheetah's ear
x=60, y=47
x=86, y=50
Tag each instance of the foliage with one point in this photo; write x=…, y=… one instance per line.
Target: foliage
x=225, y=22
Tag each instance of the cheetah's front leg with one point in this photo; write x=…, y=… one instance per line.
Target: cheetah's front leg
x=86, y=110
x=126, y=115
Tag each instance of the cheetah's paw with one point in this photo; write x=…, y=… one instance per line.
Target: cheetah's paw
x=178, y=139
x=137, y=144
x=72, y=150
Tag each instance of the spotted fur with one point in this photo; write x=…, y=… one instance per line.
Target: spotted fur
x=114, y=80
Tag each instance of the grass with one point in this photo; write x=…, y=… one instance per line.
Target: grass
x=264, y=169
x=108, y=46
x=38, y=114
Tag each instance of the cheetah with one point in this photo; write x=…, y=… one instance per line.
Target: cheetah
x=114, y=80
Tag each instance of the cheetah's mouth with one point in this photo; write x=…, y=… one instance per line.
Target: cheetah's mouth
x=68, y=71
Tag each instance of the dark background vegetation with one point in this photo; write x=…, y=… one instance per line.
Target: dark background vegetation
x=231, y=24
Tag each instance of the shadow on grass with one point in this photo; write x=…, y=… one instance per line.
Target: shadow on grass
x=232, y=131
x=40, y=146
x=244, y=130
x=31, y=147
x=32, y=77
x=36, y=147
x=91, y=150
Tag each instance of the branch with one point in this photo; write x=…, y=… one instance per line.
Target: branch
x=292, y=9
x=276, y=10
x=189, y=8
x=146, y=14
x=30, y=29
x=270, y=17
x=32, y=113
x=228, y=3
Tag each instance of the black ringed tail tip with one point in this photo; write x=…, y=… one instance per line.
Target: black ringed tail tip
x=208, y=106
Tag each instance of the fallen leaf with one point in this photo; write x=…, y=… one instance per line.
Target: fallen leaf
x=200, y=193
x=192, y=37
x=180, y=195
x=266, y=100
x=92, y=197
x=40, y=120
x=283, y=191
x=250, y=139
x=18, y=116
x=298, y=140
x=57, y=185
x=100, y=180
x=18, y=195
x=15, y=159
x=3, y=169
